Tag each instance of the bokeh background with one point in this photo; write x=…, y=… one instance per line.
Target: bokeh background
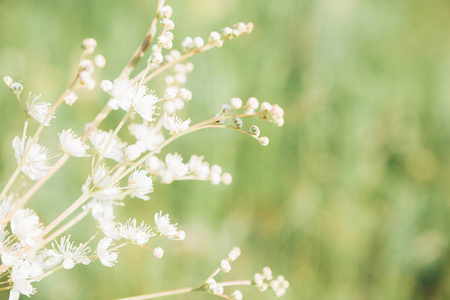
x=351, y=198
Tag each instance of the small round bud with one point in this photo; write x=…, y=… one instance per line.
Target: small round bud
x=238, y=123
x=164, y=42
x=170, y=80
x=179, y=103
x=106, y=85
x=214, y=37
x=258, y=279
x=175, y=54
x=167, y=24
x=277, y=111
x=185, y=94
x=252, y=103
x=263, y=287
x=241, y=27
x=267, y=273
x=225, y=108
x=169, y=107
x=100, y=61
x=264, y=140
x=85, y=77
x=89, y=45
x=70, y=98
x=181, y=235
x=189, y=67
x=87, y=65
x=170, y=93
x=236, y=295
x=8, y=80
x=236, y=103
x=225, y=266
x=158, y=252
x=250, y=27
x=226, y=32
x=165, y=12
x=219, y=290
x=180, y=78
x=16, y=88
x=157, y=58
x=169, y=35
x=279, y=122
x=266, y=106
x=234, y=254
x=227, y=178
x=254, y=130
x=198, y=42
x=187, y=44
x=132, y=152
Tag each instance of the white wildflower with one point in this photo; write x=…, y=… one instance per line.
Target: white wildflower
x=26, y=226
x=234, y=254
x=225, y=265
x=16, y=88
x=132, y=152
x=198, y=167
x=236, y=295
x=106, y=85
x=227, y=178
x=215, y=174
x=100, y=139
x=100, y=182
x=20, y=273
x=144, y=102
x=40, y=110
x=147, y=136
x=6, y=205
x=35, y=165
x=107, y=257
x=158, y=252
x=175, y=124
x=100, y=61
x=166, y=229
x=72, y=144
x=122, y=92
x=175, y=168
x=67, y=253
x=139, y=235
x=140, y=184
x=70, y=98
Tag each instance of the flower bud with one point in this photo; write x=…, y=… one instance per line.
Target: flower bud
x=170, y=93
x=157, y=58
x=181, y=235
x=167, y=24
x=89, y=45
x=198, y=42
x=8, y=80
x=158, y=252
x=236, y=103
x=236, y=295
x=252, y=103
x=225, y=266
x=165, y=12
x=264, y=140
x=234, y=254
x=214, y=38
x=100, y=61
x=106, y=85
x=225, y=108
x=238, y=123
x=185, y=94
x=254, y=130
x=16, y=88
x=187, y=44
x=87, y=65
x=227, y=178
x=70, y=98
x=132, y=152
x=266, y=106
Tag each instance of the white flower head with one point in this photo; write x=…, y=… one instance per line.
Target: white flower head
x=35, y=165
x=144, y=103
x=139, y=235
x=70, y=98
x=72, y=144
x=176, y=166
x=6, y=205
x=140, y=184
x=198, y=167
x=67, y=253
x=107, y=257
x=122, y=92
x=20, y=273
x=100, y=139
x=40, y=110
x=166, y=229
x=26, y=226
x=158, y=252
x=175, y=124
x=147, y=136
x=104, y=189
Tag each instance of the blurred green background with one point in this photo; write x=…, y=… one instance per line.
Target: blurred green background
x=351, y=198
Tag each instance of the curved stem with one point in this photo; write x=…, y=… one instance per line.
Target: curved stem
x=163, y=294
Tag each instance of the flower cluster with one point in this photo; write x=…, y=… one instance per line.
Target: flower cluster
x=127, y=161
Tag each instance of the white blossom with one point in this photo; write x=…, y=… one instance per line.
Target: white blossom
x=72, y=144
x=100, y=61
x=175, y=124
x=67, y=253
x=234, y=254
x=158, y=252
x=26, y=226
x=70, y=98
x=148, y=136
x=122, y=92
x=107, y=257
x=140, y=184
x=40, y=110
x=104, y=189
x=20, y=273
x=225, y=265
x=198, y=167
x=144, y=102
x=35, y=165
x=166, y=229
x=100, y=139
x=139, y=235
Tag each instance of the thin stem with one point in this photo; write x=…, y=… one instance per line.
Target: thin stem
x=163, y=294
x=235, y=283
x=143, y=47
x=67, y=226
x=216, y=271
x=80, y=201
